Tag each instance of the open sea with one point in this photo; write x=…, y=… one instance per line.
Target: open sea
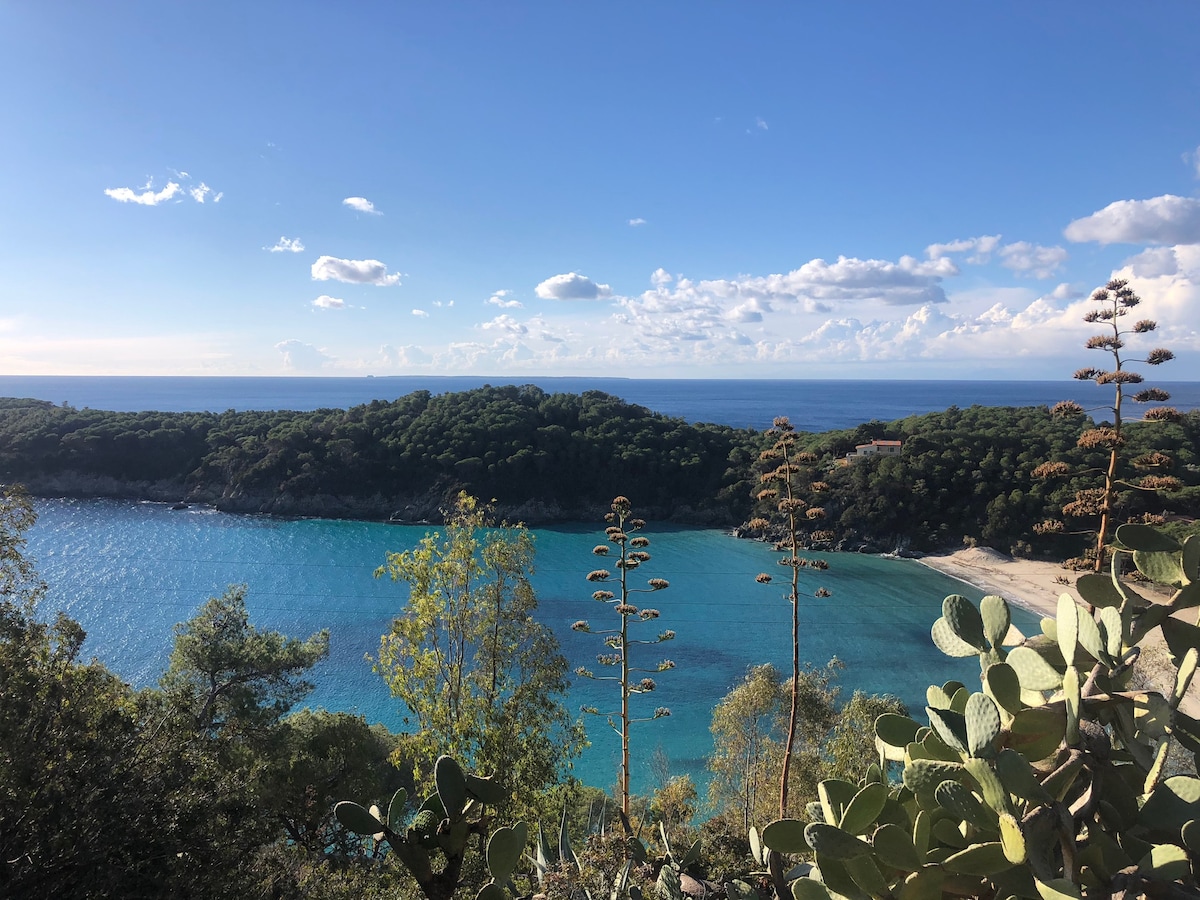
x=129, y=571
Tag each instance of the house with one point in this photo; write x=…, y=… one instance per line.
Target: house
x=875, y=448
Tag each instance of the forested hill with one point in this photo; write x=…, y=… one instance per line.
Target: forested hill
x=541, y=456
x=962, y=473
x=968, y=474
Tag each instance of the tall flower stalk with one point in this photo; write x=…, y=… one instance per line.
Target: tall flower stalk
x=632, y=679
x=1113, y=302
x=782, y=487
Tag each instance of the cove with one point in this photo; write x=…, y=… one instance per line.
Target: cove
x=129, y=571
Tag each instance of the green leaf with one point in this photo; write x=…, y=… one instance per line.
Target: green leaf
x=692, y=855
x=451, y=786
x=1146, y=538
x=978, y=859
x=1071, y=701
x=924, y=884
x=996, y=619
x=1011, y=839
x=504, y=850
x=835, y=795
x=950, y=726
x=1058, y=889
x=1002, y=685
x=965, y=620
x=894, y=847
x=1191, y=557
x=896, y=730
x=1068, y=626
x=922, y=775
x=1163, y=568
x=1165, y=862
x=1172, y=803
x=1018, y=777
x=809, y=889
x=864, y=809
x=485, y=790
x=983, y=724
x=1098, y=590
x=964, y=805
x=994, y=793
x=948, y=641
x=1034, y=673
x=395, y=812
x=1035, y=733
x=356, y=818
x=786, y=836
x=826, y=840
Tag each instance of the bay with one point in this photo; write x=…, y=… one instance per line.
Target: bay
x=129, y=571
x=812, y=405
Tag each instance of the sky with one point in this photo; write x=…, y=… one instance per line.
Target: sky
x=645, y=189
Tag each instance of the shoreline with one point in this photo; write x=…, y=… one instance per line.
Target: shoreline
x=1030, y=584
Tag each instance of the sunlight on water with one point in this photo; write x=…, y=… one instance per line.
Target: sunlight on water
x=130, y=571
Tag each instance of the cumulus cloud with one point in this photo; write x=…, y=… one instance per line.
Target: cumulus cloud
x=147, y=196
x=327, y=302
x=572, y=286
x=1025, y=258
x=636, y=222
x=353, y=271
x=817, y=282
x=362, y=205
x=286, y=245
x=403, y=357
x=1160, y=220
x=505, y=324
x=420, y=314
x=504, y=300
x=761, y=123
x=661, y=276
x=303, y=357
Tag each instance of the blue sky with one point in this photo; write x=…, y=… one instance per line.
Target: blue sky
x=652, y=189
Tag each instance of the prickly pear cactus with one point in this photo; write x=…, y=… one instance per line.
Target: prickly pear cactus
x=1047, y=783
x=442, y=827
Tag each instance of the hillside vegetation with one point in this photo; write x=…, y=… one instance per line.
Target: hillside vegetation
x=962, y=474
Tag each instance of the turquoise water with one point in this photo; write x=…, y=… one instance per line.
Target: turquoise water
x=129, y=571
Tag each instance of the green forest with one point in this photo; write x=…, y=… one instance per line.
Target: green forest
x=963, y=474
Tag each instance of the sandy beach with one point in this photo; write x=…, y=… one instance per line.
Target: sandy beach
x=1024, y=582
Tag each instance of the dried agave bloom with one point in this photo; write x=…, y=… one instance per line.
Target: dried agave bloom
x=629, y=555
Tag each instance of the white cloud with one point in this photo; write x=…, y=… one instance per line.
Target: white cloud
x=505, y=324
x=1160, y=220
x=1025, y=258
x=327, y=302
x=981, y=248
x=409, y=356
x=636, y=222
x=504, y=300
x=661, y=276
x=572, y=286
x=353, y=271
x=906, y=282
x=147, y=197
x=760, y=123
x=420, y=314
x=303, y=357
x=201, y=191
x=286, y=245
x=362, y=205
x=1153, y=262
